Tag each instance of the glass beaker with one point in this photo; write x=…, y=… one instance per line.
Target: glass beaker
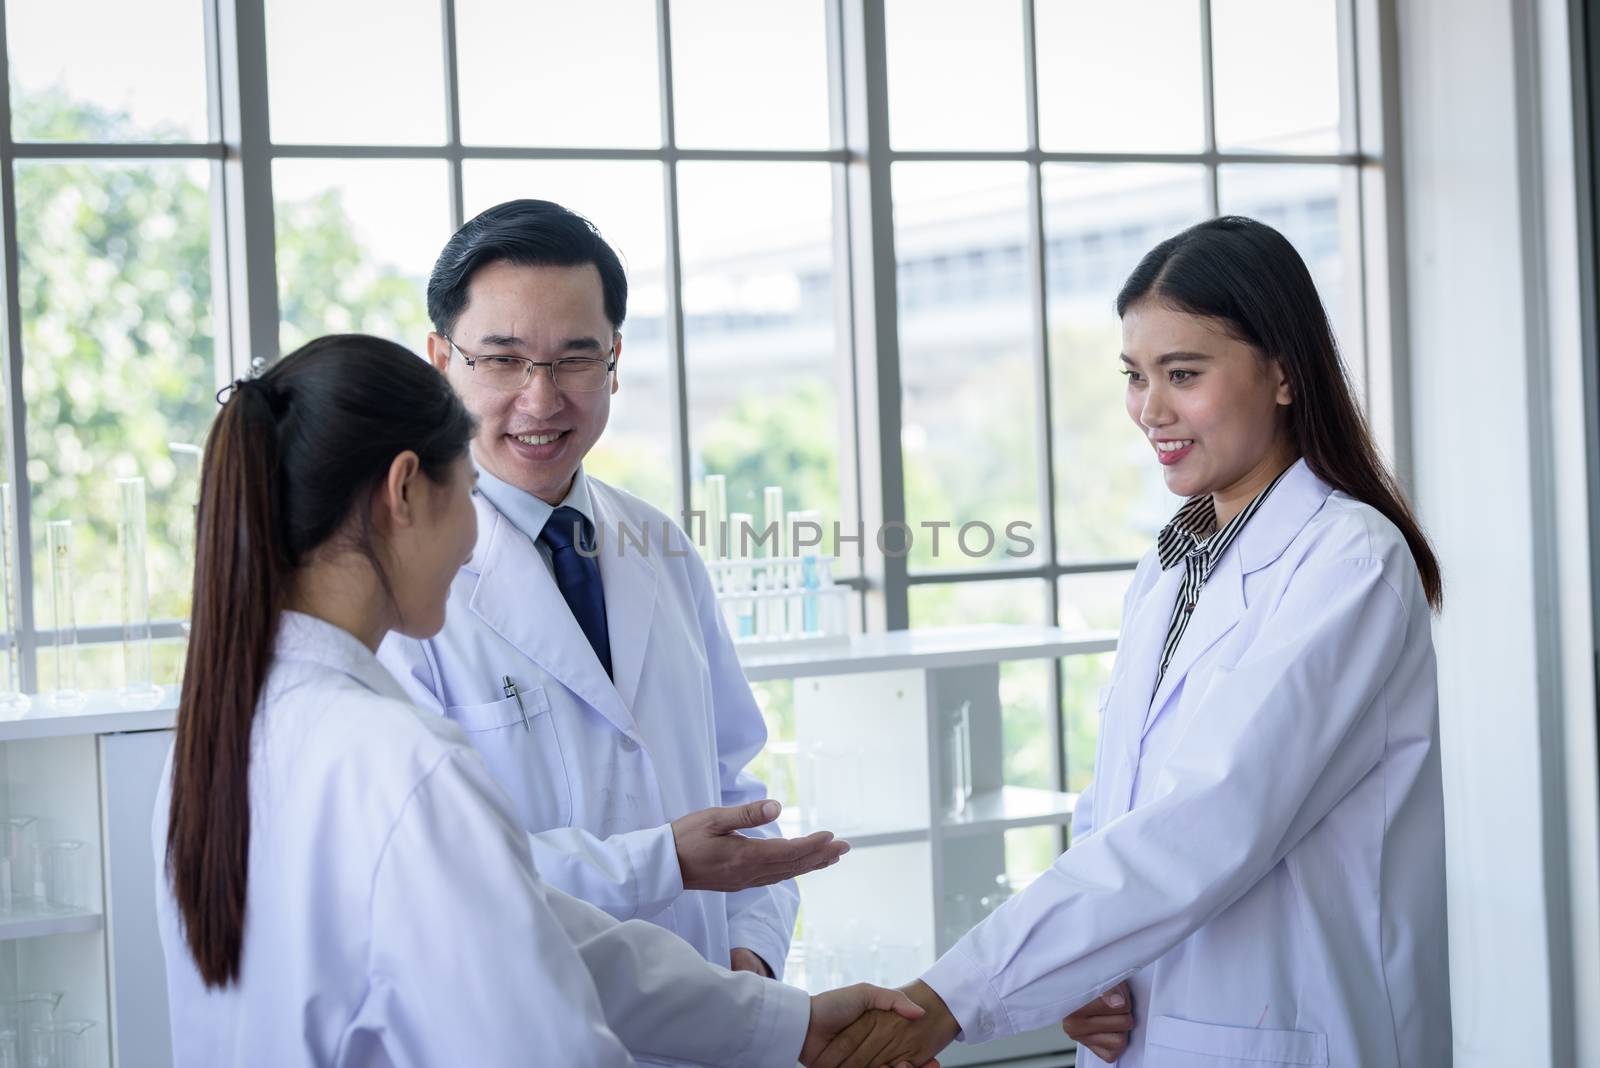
x=65, y=885
x=63, y=615
x=64, y=1044
x=139, y=689
x=956, y=751
x=19, y=838
x=13, y=702
x=26, y=1015
x=831, y=796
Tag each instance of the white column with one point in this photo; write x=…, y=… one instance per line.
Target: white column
x=1497, y=427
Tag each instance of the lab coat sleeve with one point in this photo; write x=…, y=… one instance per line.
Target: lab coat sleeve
x=454, y=888
x=633, y=875
x=664, y=1001
x=760, y=919
x=628, y=875
x=1278, y=740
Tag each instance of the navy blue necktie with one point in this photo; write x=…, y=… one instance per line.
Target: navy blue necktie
x=578, y=577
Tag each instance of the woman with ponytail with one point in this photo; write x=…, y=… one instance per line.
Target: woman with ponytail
x=1256, y=875
x=341, y=882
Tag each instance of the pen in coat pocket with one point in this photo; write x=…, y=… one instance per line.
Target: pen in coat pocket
x=512, y=691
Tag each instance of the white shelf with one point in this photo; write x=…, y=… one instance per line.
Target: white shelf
x=102, y=713
x=922, y=649
x=1008, y=807
x=27, y=920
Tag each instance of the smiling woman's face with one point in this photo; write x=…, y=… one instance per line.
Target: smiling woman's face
x=1212, y=407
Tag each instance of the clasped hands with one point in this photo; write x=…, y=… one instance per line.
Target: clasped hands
x=865, y=1026
x=859, y=1026
x=887, y=1034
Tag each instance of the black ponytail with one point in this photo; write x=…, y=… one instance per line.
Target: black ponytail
x=290, y=457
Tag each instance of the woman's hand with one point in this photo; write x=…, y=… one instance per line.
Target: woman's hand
x=1102, y=1026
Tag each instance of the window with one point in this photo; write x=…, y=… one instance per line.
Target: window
x=711, y=141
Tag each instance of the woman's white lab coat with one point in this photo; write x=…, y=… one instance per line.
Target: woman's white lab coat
x=596, y=771
x=1262, y=850
x=394, y=917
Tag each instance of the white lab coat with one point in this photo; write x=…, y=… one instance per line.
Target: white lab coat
x=394, y=916
x=1262, y=850
x=598, y=770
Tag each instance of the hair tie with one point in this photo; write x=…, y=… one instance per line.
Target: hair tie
x=232, y=389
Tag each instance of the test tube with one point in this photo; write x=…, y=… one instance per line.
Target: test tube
x=739, y=524
x=716, y=517
x=58, y=541
x=774, y=610
x=810, y=576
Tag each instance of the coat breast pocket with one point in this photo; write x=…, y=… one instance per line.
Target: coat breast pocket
x=518, y=740
x=1191, y=1044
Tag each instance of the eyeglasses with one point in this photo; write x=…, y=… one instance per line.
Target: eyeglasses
x=570, y=374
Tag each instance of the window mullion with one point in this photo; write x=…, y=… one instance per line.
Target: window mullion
x=677, y=364
x=1208, y=103
x=249, y=260
x=452, y=114
x=872, y=252
x=23, y=622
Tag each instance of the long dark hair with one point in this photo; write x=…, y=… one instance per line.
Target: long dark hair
x=1247, y=276
x=292, y=457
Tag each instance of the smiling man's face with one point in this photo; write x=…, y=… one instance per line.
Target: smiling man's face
x=533, y=438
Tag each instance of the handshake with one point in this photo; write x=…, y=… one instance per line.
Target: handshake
x=865, y=1026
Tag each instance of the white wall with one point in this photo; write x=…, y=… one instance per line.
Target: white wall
x=1498, y=469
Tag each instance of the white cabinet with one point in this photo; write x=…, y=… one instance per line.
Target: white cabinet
x=870, y=752
x=53, y=936
x=897, y=748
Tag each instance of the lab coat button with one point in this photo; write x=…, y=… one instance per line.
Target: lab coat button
x=629, y=745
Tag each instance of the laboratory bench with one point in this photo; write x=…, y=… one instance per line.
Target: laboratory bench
x=897, y=747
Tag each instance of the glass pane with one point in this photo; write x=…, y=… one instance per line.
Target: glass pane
x=1277, y=75
x=356, y=240
x=1081, y=680
x=114, y=277
x=1024, y=684
x=968, y=436
x=548, y=92
x=967, y=604
x=86, y=70
x=624, y=201
x=1092, y=603
x=100, y=664
x=955, y=75
x=1314, y=207
x=763, y=364
x=750, y=75
x=1100, y=220
x=1121, y=77
x=1029, y=852
x=359, y=72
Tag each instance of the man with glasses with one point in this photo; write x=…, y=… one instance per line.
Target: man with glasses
x=596, y=677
